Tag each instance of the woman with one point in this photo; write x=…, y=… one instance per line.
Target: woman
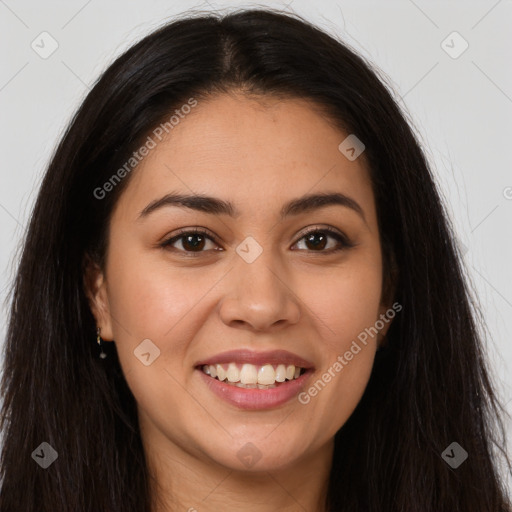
x=240, y=291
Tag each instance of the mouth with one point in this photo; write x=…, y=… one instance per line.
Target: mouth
x=250, y=376
x=255, y=380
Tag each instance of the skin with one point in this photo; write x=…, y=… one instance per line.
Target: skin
x=305, y=300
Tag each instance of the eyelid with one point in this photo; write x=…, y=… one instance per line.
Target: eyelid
x=317, y=227
x=343, y=240
x=200, y=230
x=168, y=241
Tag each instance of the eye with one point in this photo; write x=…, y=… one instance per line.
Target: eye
x=192, y=241
x=316, y=240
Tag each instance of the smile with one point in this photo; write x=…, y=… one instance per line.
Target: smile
x=250, y=376
x=248, y=379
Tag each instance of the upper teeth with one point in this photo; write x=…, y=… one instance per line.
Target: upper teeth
x=251, y=374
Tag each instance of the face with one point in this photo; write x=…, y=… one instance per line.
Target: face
x=269, y=283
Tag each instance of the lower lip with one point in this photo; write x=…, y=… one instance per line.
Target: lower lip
x=245, y=398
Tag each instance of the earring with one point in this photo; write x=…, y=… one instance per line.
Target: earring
x=99, y=340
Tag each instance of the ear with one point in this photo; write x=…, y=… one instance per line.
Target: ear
x=95, y=288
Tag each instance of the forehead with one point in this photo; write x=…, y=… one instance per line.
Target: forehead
x=250, y=150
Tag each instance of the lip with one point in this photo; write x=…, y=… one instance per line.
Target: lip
x=242, y=356
x=254, y=399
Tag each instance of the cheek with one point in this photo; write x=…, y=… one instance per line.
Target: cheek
x=345, y=308
x=344, y=302
x=149, y=302
x=332, y=397
x=152, y=300
x=148, y=299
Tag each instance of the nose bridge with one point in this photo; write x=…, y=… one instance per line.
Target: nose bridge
x=258, y=267
x=258, y=294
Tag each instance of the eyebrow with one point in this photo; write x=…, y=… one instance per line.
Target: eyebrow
x=216, y=206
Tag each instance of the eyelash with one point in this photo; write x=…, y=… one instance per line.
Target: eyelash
x=344, y=243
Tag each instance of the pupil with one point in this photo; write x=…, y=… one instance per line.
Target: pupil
x=194, y=245
x=312, y=236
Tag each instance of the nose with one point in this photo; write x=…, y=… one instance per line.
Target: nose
x=259, y=295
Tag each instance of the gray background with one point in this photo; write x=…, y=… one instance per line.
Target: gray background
x=461, y=108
